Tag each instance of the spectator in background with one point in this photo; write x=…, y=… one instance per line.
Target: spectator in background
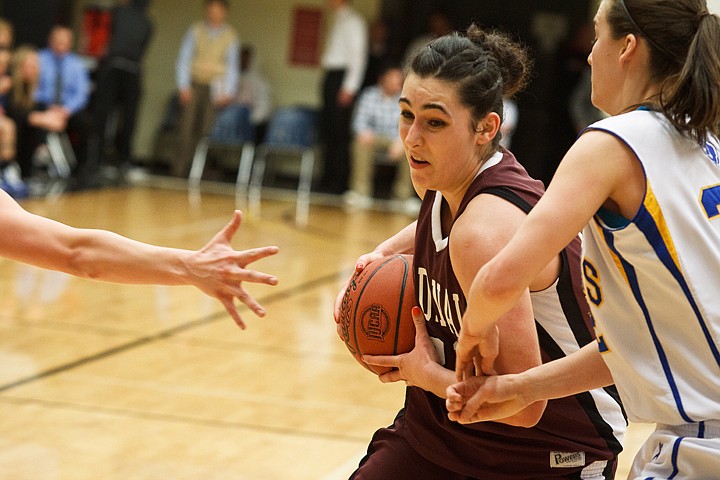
x=380, y=51
x=582, y=111
x=6, y=34
x=8, y=167
x=254, y=91
x=438, y=24
x=64, y=87
x=119, y=79
x=207, y=78
x=31, y=118
x=375, y=130
x=344, y=60
x=509, y=123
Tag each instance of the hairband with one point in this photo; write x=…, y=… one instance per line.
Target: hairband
x=702, y=14
x=640, y=30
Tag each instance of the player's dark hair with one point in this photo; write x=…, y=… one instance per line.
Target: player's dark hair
x=684, y=43
x=484, y=65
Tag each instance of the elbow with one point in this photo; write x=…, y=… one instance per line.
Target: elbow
x=497, y=283
x=529, y=416
x=80, y=264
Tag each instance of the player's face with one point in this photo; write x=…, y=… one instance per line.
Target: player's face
x=441, y=146
x=604, y=62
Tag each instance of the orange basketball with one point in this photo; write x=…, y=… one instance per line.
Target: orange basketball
x=376, y=310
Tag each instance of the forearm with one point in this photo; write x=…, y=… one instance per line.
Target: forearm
x=579, y=372
x=401, y=242
x=440, y=378
x=109, y=257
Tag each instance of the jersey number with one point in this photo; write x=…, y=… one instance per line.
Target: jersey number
x=710, y=200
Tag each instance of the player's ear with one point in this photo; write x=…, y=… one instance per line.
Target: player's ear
x=487, y=128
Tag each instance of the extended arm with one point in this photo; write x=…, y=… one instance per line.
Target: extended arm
x=582, y=184
x=216, y=269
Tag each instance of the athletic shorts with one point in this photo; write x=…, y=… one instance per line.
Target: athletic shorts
x=391, y=457
x=678, y=452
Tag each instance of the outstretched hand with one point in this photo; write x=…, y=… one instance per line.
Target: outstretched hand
x=219, y=270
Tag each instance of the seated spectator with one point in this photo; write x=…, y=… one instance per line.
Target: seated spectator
x=6, y=34
x=254, y=91
x=31, y=118
x=64, y=86
x=375, y=130
x=8, y=168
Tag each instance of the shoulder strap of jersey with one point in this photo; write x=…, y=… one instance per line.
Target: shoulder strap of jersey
x=509, y=195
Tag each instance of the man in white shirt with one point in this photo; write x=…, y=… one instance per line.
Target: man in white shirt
x=375, y=130
x=344, y=60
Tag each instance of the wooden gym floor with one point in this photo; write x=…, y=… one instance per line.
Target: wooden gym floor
x=103, y=381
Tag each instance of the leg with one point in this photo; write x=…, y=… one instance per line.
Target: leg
x=403, y=188
x=8, y=139
x=390, y=457
x=130, y=92
x=335, y=135
x=105, y=99
x=361, y=174
x=186, y=136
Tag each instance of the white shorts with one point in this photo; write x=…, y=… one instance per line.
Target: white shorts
x=678, y=452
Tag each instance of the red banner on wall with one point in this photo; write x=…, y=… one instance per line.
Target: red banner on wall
x=306, y=38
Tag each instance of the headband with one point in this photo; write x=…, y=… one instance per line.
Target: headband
x=640, y=30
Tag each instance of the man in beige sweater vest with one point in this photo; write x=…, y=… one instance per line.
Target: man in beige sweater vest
x=207, y=78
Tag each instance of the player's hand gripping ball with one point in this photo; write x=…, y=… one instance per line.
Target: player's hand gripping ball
x=375, y=314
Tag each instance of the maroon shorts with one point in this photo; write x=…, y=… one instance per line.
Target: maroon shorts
x=391, y=457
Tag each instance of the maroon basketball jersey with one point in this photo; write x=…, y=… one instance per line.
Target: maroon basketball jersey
x=575, y=433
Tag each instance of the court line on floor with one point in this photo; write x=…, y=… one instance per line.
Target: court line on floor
x=170, y=332
x=179, y=419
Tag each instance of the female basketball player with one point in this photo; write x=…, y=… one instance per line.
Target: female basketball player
x=216, y=269
x=475, y=195
x=645, y=184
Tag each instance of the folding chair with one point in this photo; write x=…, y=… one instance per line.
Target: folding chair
x=292, y=132
x=232, y=128
x=61, y=153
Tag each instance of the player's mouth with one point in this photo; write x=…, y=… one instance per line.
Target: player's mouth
x=417, y=161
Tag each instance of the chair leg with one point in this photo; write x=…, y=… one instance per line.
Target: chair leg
x=57, y=154
x=198, y=163
x=302, y=210
x=244, y=169
x=256, y=180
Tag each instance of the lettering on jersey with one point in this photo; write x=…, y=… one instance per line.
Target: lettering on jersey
x=593, y=292
x=438, y=304
x=710, y=200
x=712, y=153
x=602, y=346
x=567, y=459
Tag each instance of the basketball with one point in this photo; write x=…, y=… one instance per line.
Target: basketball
x=376, y=310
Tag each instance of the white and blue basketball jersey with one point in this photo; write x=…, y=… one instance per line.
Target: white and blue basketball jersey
x=653, y=285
